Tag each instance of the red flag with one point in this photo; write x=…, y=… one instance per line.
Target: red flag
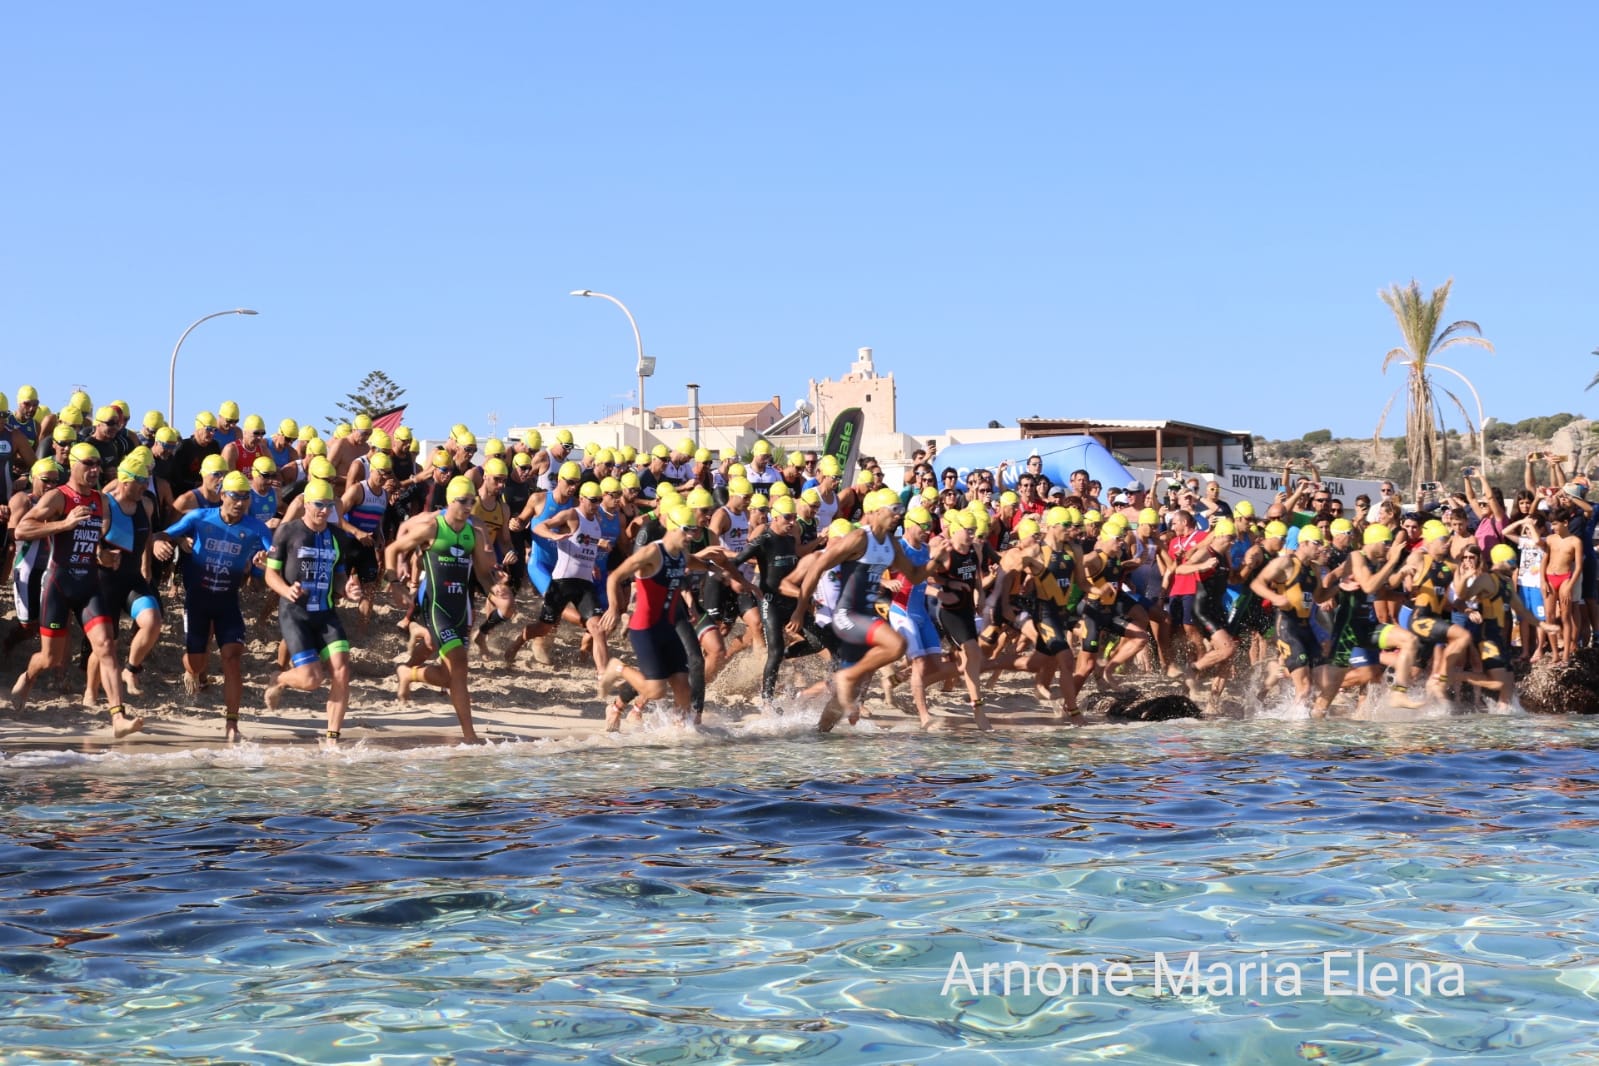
x=389, y=420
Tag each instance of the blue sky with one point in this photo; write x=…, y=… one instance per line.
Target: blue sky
x=1033, y=209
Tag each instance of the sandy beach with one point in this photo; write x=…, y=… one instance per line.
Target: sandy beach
x=526, y=702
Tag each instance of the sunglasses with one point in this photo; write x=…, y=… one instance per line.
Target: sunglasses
x=320, y=505
x=237, y=495
x=50, y=480
x=470, y=501
x=470, y=451
x=258, y=433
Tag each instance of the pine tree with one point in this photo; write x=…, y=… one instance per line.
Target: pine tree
x=376, y=394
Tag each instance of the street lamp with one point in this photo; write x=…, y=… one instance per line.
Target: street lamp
x=1482, y=423
x=172, y=371
x=646, y=364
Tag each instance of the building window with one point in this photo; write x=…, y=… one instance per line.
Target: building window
x=868, y=397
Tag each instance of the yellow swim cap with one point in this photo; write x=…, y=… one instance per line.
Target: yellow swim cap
x=660, y=451
x=570, y=471
x=521, y=459
x=27, y=394
x=73, y=417
x=235, y=482
x=762, y=448
x=440, y=459
x=919, y=516
x=778, y=489
x=735, y=470
x=758, y=502
x=590, y=450
x=610, y=486
x=865, y=477
x=1311, y=535
x=929, y=494
x=1376, y=534
x=106, y=414
x=702, y=455
x=213, y=464
x=1093, y=518
x=1433, y=529
x=1026, y=529
x=1057, y=516
x=321, y=468
x=827, y=466
x=403, y=433
x=379, y=440
x=532, y=439
x=495, y=468
x=1500, y=554
x=133, y=469
x=343, y=429
x=627, y=454
x=363, y=421
x=307, y=431
x=1223, y=527
x=460, y=488
x=1114, y=527
x=492, y=446
x=254, y=423
x=1340, y=526
x=206, y=419
x=264, y=465
x=44, y=468
x=318, y=489
x=1276, y=529
x=1150, y=517
x=228, y=410
x=685, y=446
x=1074, y=516
x=839, y=527
x=63, y=434
x=316, y=446
x=1009, y=499
x=289, y=428
x=153, y=420
x=590, y=490
x=1244, y=509
x=678, y=516
x=785, y=505
x=81, y=401
x=629, y=480
x=167, y=435
x=563, y=437
x=739, y=486
x=964, y=519
x=812, y=497
x=381, y=461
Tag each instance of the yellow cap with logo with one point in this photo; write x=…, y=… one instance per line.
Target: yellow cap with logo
x=1057, y=516
x=660, y=451
x=440, y=460
x=739, y=486
x=63, y=434
x=133, y=468
x=678, y=516
x=106, y=414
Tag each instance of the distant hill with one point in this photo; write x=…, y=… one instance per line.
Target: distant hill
x=1508, y=446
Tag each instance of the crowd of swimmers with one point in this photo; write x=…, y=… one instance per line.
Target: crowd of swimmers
x=946, y=581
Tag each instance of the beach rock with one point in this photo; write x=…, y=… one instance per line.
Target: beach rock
x=1147, y=707
x=1573, y=439
x=1571, y=687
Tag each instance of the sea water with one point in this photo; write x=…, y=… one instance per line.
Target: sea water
x=763, y=894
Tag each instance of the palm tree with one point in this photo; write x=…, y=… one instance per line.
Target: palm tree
x=1418, y=318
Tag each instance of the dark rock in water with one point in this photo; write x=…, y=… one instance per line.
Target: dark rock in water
x=1140, y=708
x=1571, y=687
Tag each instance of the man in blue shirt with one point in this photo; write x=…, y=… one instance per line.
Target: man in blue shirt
x=222, y=546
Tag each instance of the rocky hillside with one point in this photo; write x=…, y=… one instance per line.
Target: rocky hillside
x=1508, y=446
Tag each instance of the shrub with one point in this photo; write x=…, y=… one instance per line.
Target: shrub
x=1318, y=436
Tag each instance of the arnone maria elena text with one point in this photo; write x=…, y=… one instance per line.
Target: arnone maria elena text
x=1332, y=973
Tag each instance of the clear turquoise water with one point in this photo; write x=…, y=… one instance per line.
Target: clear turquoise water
x=776, y=896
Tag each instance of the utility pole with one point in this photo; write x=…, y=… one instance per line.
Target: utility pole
x=552, y=400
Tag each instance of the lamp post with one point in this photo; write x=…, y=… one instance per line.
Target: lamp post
x=646, y=365
x=172, y=371
x=1482, y=423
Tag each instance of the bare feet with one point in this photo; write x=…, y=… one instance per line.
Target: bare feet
x=130, y=682
x=541, y=650
x=273, y=696
x=402, y=675
x=20, y=690
x=613, y=717
x=192, y=683
x=513, y=648
x=1396, y=698
x=230, y=732
x=122, y=725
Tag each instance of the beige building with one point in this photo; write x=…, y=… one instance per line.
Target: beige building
x=862, y=387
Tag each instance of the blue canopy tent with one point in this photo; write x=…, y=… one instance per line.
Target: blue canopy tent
x=1061, y=456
